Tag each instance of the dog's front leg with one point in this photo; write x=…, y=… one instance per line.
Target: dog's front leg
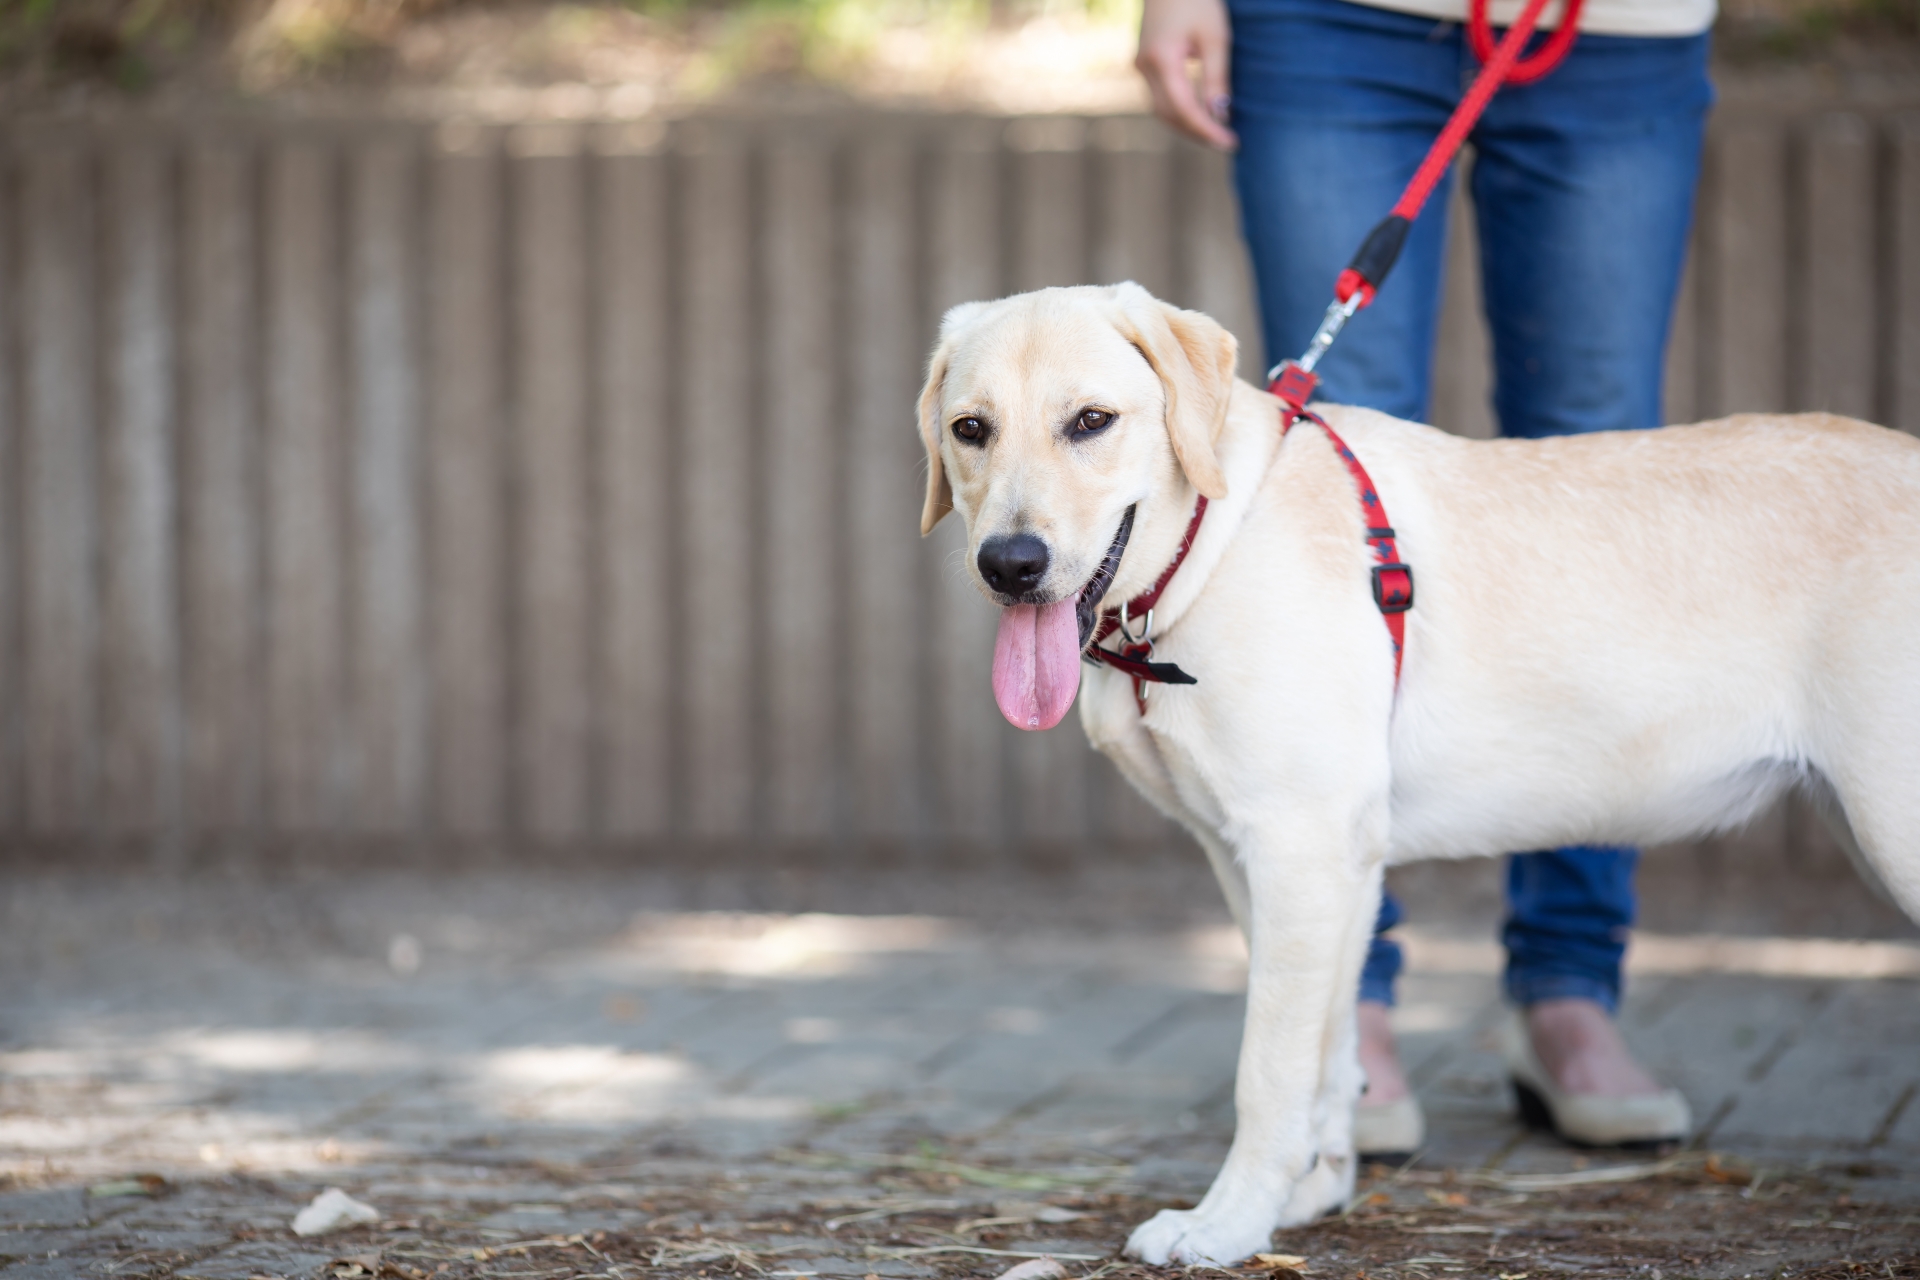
x=1313, y=897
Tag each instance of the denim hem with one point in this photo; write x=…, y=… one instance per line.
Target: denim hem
x=1380, y=992
x=1530, y=989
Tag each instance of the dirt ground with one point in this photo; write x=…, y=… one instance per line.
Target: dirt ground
x=1700, y=1217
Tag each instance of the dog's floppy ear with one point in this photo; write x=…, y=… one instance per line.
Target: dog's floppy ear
x=939, y=492
x=1195, y=358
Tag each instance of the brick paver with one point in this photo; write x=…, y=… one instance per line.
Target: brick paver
x=542, y=1055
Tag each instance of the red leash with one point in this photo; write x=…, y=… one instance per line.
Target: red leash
x=1378, y=252
x=1294, y=381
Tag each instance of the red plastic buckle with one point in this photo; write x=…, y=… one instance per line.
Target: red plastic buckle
x=1350, y=283
x=1394, y=596
x=1295, y=385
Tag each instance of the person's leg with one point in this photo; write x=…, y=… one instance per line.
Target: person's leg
x=1570, y=911
x=1335, y=104
x=1384, y=958
x=1379, y=1058
x=1583, y=188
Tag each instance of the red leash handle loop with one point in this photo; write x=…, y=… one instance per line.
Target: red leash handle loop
x=1545, y=59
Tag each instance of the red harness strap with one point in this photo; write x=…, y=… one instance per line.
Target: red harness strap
x=1140, y=604
x=1134, y=656
x=1392, y=580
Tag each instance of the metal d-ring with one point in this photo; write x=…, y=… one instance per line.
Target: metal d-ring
x=1146, y=628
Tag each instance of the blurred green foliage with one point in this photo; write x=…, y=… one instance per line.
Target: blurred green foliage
x=260, y=44
x=270, y=42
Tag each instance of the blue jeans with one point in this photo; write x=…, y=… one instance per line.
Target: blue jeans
x=1583, y=189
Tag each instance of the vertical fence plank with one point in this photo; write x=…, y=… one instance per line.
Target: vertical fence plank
x=389, y=706
x=1462, y=399
x=58, y=507
x=1050, y=216
x=1836, y=316
x=220, y=531
x=306, y=633
x=883, y=504
x=1744, y=269
x=1050, y=224
x=801, y=480
x=969, y=757
x=1133, y=229
x=1215, y=273
x=466, y=399
x=550, y=459
x=1903, y=225
x=140, y=646
x=10, y=496
x=635, y=339
x=1680, y=393
x=716, y=517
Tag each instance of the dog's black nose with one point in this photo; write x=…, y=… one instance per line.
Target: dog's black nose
x=1013, y=565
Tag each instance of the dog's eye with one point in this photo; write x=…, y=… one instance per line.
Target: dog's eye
x=971, y=429
x=1092, y=420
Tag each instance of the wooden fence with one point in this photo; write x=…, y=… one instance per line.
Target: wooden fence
x=559, y=482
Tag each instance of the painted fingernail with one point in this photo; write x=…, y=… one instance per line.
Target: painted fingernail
x=1222, y=107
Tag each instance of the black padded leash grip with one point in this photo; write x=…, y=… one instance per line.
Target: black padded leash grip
x=1381, y=249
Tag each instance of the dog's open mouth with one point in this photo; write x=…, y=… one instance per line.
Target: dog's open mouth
x=1036, y=655
x=1087, y=607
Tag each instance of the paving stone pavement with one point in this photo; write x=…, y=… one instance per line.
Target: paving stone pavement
x=549, y=1052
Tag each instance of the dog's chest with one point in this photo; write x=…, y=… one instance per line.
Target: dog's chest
x=1154, y=764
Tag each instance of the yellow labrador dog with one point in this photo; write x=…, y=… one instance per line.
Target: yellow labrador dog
x=1632, y=637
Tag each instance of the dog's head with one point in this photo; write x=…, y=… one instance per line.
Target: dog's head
x=1049, y=419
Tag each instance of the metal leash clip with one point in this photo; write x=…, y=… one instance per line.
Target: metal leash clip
x=1142, y=641
x=1140, y=647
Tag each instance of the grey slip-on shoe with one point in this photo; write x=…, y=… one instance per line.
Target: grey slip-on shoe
x=1396, y=1128
x=1589, y=1119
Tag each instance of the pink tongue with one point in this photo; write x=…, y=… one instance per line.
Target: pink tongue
x=1036, y=663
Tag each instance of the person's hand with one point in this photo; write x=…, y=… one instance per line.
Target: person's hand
x=1173, y=32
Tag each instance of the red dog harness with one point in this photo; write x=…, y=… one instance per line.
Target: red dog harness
x=1392, y=580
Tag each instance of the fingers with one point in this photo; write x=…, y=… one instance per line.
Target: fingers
x=1177, y=101
x=1213, y=80
x=1173, y=33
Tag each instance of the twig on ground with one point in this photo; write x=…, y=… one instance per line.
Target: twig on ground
x=891, y=1211
x=674, y=1253
x=1579, y=1177
x=878, y=1251
x=1002, y=1179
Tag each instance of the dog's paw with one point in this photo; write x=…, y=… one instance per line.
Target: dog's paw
x=1181, y=1237
x=1326, y=1187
